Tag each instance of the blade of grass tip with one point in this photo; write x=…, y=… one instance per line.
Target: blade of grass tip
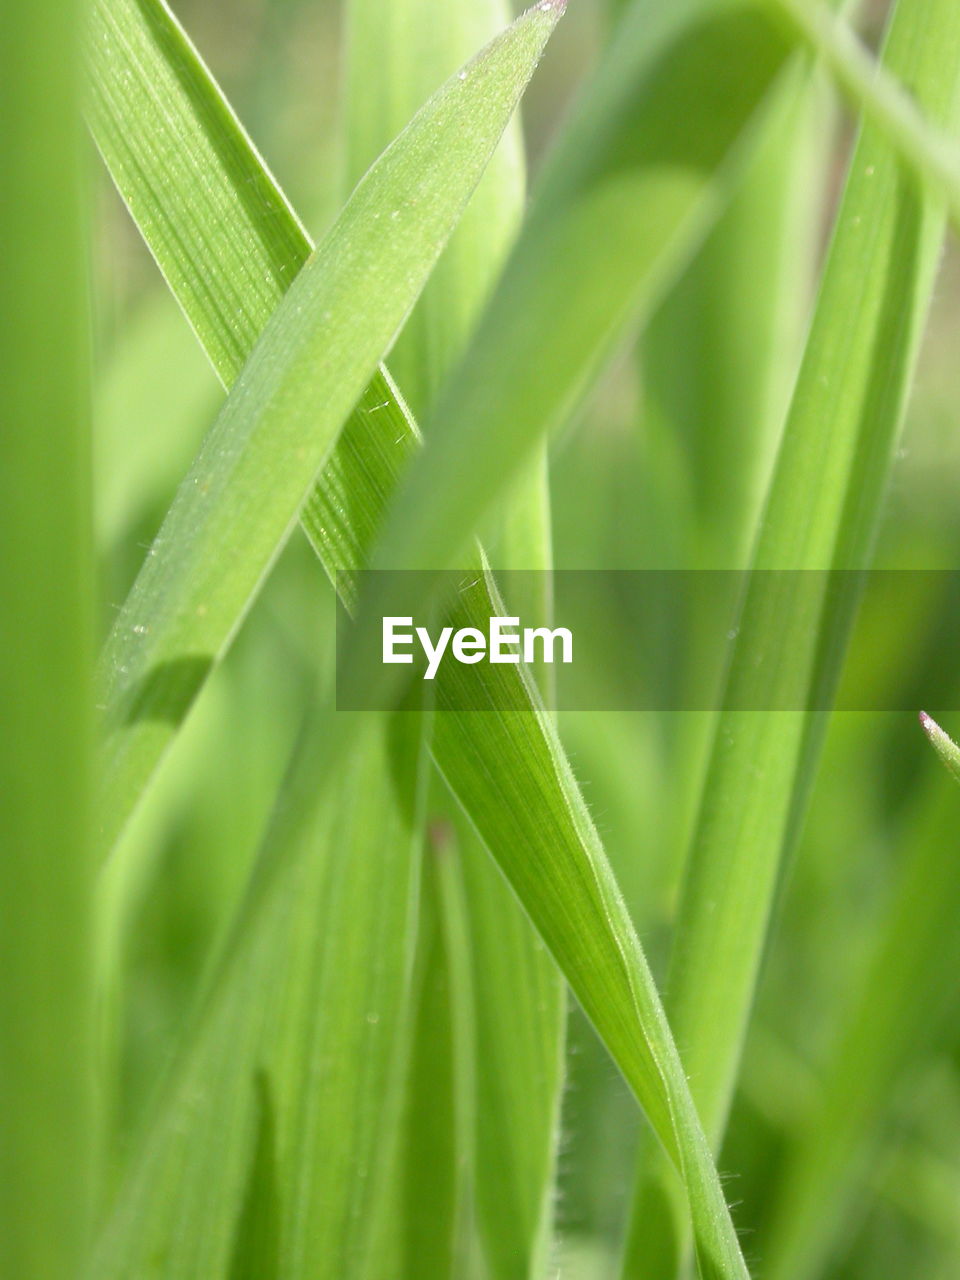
x=46, y=630
x=907, y=996
x=547, y=816
x=505, y=971
x=530, y=813
x=305, y=374
x=821, y=513
x=301, y=1031
x=942, y=743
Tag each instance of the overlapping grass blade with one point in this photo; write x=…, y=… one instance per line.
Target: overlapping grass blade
x=546, y=843
x=304, y=376
x=46, y=626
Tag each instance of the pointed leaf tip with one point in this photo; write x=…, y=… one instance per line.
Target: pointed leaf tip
x=942, y=743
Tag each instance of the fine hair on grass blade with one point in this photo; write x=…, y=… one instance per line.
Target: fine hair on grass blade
x=47, y=1156
x=316, y=354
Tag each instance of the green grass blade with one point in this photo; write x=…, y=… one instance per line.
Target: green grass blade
x=551, y=824
x=821, y=513
x=395, y=57
x=306, y=373
x=302, y=1032
x=906, y=997
x=513, y=984
x=930, y=153
x=632, y=188
x=942, y=743
x=46, y=628
x=159, y=120
x=432, y=1219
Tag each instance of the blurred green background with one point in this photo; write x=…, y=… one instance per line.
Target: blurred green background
x=663, y=468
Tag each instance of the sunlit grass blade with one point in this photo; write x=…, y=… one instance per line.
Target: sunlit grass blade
x=904, y=1000
x=306, y=373
x=47, y=1165
x=302, y=1033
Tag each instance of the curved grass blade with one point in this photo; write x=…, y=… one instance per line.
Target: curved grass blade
x=46, y=634
x=303, y=378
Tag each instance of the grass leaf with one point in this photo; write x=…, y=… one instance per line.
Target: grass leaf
x=304, y=376
x=302, y=1030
